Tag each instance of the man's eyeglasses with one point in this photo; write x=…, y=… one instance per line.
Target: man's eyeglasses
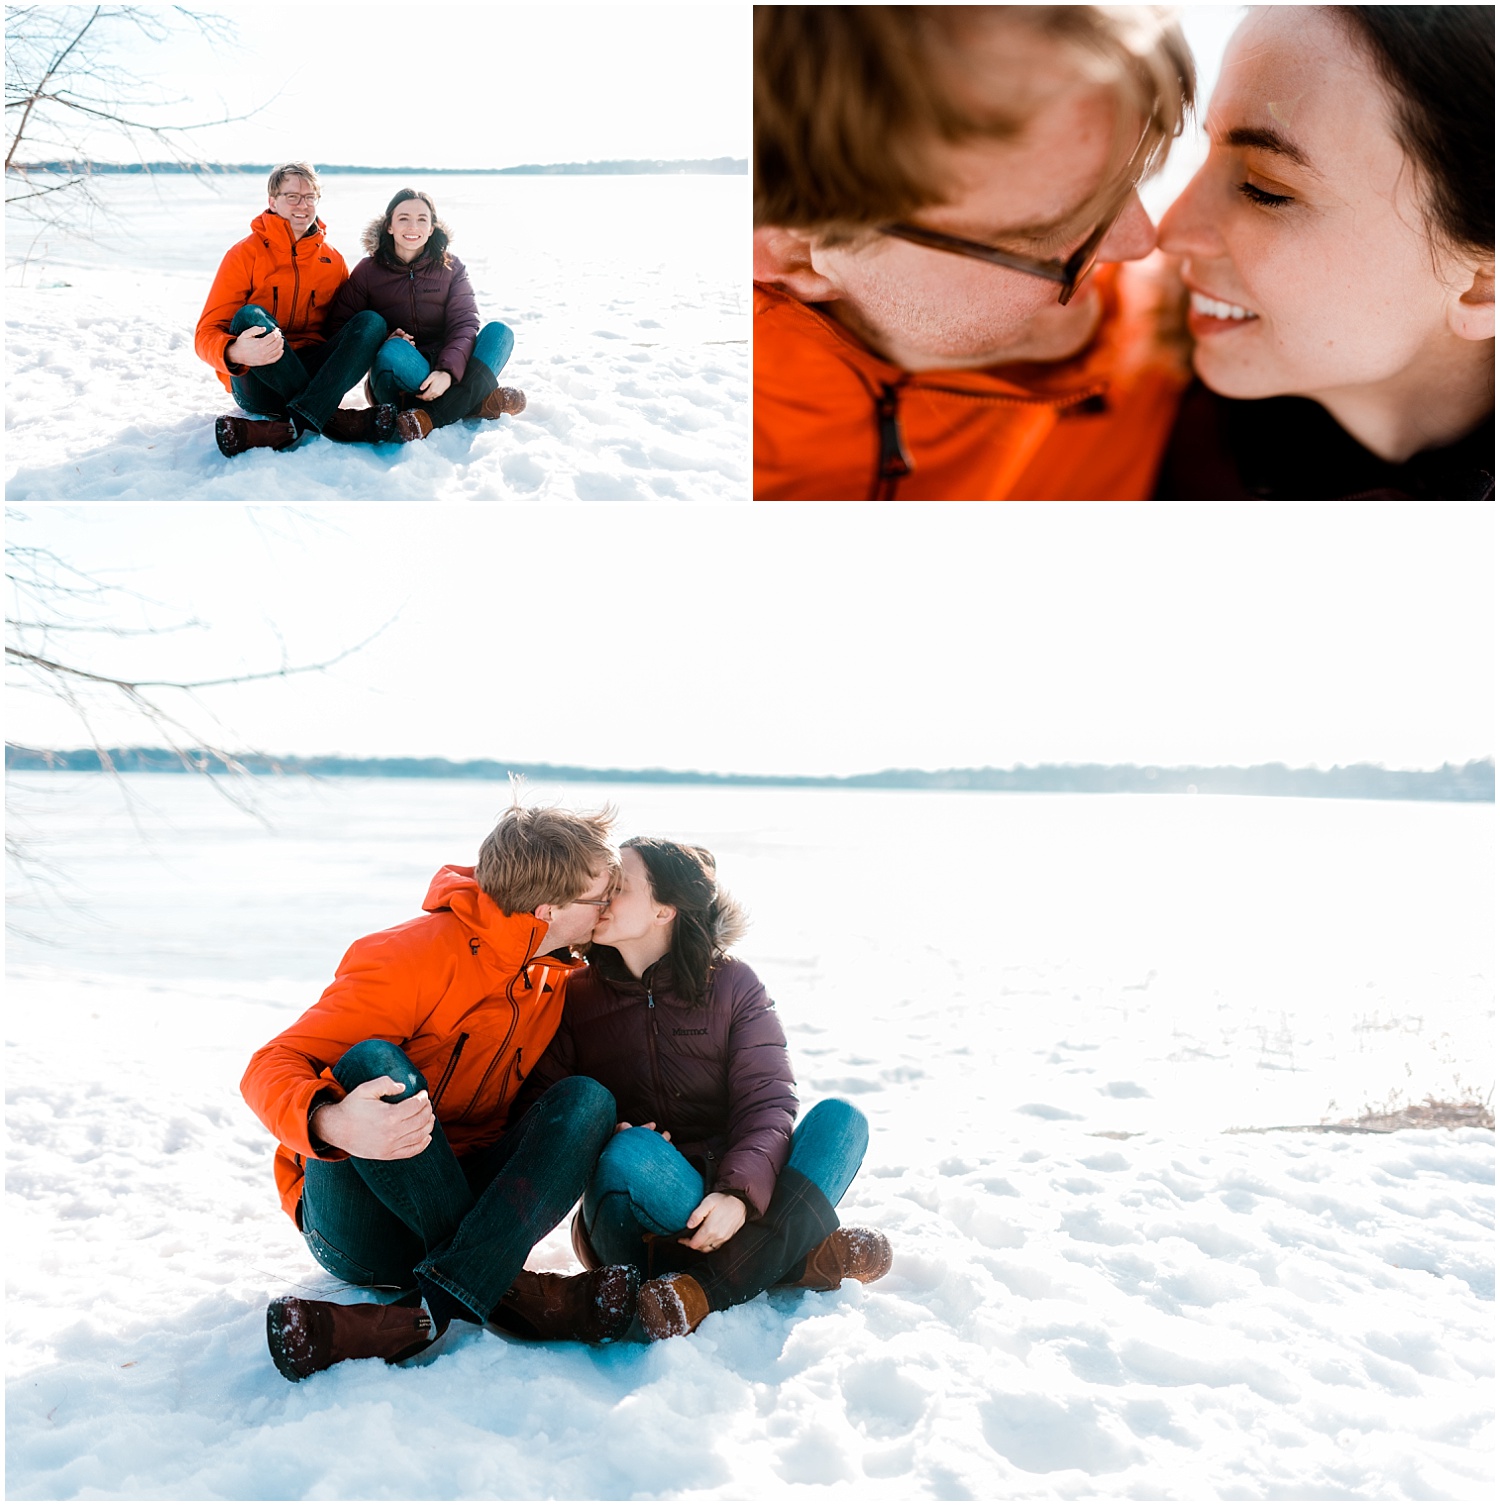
x=1069, y=273
x=299, y=198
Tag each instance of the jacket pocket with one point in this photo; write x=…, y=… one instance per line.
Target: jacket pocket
x=442, y=1087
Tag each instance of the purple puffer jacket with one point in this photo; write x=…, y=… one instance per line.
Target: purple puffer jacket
x=715, y=1075
x=432, y=303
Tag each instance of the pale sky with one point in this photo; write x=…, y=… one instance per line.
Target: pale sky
x=809, y=639
x=465, y=86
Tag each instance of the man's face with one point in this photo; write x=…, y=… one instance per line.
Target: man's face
x=1036, y=194
x=572, y=925
x=296, y=201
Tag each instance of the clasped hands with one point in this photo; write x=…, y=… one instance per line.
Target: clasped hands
x=719, y=1217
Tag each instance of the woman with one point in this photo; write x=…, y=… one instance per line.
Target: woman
x=705, y=1176
x=438, y=365
x=1338, y=249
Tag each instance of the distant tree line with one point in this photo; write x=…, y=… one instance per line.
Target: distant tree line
x=635, y=165
x=1362, y=781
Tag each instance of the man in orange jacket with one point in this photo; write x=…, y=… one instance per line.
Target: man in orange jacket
x=390, y=1098
x=262, y=328
x=933, y=188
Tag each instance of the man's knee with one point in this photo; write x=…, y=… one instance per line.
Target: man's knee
x=376, y=1058
x=252, y=316
x=366, y=325
x=585, y=1104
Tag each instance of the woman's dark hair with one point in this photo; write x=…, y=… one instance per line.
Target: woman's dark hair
x=1439, y=62
x=379, y=242
x=708, y=921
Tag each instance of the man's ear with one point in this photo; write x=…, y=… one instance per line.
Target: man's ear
x=544, y=913
x=784, y=259
x=1471, y=316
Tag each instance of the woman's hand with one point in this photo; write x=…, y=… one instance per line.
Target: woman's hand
x=435, y=385
x=366, y=1126
x=622, y=1125
x=718, y=1217
x=400, y=334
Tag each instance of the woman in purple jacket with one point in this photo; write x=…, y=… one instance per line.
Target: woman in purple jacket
x=438, y=365
x=705, y=1177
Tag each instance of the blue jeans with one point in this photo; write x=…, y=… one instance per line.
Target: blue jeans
x=306, y=385
x=644, y=1188
x=400, y=368
x=467, y=1224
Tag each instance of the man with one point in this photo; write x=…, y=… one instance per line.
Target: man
x=933, y=188
x=389, y=1099
x=261, y=328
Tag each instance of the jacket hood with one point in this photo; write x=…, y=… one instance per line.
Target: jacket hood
x=453, y=888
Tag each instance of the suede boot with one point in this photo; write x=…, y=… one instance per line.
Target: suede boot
x=671, y=1306
x=236, y=435
x=501, y=401
x=375, y=425
x=412, y=424
x=306, y=1336
x=594, y=1306
x=863, y=1254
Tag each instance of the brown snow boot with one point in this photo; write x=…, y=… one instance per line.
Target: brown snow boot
x=236, y=435
x=671, y=1306
x=306, y=1337
x=594, y=1306
x=864, y=1254
x=412, y=423
x=501, y=401
x=374, y=425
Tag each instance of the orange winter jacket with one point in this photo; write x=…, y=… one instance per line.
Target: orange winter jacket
x=293, y=281
x=835, y=421
x=459, y=989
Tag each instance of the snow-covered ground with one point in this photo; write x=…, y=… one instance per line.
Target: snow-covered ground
x=1050, y=1007
x=628, y=297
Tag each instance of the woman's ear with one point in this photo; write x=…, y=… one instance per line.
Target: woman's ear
x=783, y=258
x=1471, y=316
x=666, y=914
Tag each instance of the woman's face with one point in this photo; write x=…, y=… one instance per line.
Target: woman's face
x=411, y=228
x=633, y=913
x=1301, y=238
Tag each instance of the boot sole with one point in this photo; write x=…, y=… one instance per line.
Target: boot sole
x=275, y=1342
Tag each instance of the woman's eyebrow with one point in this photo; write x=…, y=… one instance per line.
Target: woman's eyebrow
x=1267, y=139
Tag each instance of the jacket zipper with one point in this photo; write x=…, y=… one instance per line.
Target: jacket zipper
x=276, y=304
x=448, y=1070
x=894, y=462
x=655, y=1062
x=296, y=282
x=411, y=287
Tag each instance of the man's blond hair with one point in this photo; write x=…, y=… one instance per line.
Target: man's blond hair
x=850, y=100
x=279, y=175
x=544, y=855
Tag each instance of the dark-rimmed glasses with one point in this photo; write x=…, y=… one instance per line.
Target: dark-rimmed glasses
x=1069, y=273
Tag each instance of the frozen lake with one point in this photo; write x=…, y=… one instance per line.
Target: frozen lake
x=627, y=296
x=1050, y=1007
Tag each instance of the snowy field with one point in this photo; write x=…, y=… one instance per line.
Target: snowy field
x=1051, y=1008
x=628, y=296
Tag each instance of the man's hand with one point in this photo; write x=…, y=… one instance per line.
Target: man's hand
x=622, y=1125
x=718, y=1217
x=435, y=385
x=372, y=1130
x=257, y=346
